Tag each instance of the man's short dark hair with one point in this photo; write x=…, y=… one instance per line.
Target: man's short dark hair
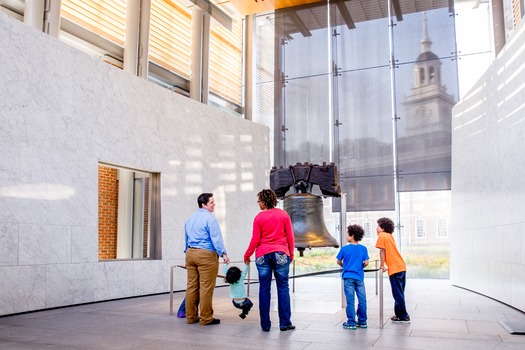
x=204, y=198
x=386, y=224
x=356, y=231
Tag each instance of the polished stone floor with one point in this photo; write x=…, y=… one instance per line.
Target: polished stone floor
x=443, y=317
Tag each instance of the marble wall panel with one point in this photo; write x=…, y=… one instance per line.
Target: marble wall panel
x=150, y=277
x=238, y=247
x=172, y=245
x=113, y=279
x=84, y=244
x=520, y=258
x=518, y=287
x=69, y=284
x=8, y=244
x=503, y=280
x=511, y=244
x=488, y=185
x=517, y=197
x=495, y=238
x=22, y=288
x=62, y=119
x=44, y=244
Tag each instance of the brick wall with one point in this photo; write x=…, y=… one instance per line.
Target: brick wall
x=107, y=212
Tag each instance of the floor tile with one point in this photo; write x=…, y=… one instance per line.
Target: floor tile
x=443, y=317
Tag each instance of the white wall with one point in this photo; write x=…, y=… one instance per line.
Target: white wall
x=61, y=113
x=488, y=181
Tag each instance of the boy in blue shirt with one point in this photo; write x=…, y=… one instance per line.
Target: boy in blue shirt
x=353, y=258
x=235, y=278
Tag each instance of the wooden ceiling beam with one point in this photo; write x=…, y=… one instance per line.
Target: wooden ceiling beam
x=249, y=7
x=397, y=10
x=299, y=23
x=345, y=14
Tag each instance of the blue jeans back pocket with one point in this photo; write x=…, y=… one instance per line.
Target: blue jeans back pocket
x=281, y=258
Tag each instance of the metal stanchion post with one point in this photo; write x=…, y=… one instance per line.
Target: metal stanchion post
x=171, y=290
x=381, y=299
x=293, y=274
x=377, y=272
x=342, y=241
x=248, y=286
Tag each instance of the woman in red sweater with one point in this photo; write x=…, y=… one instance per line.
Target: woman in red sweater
x=273, y=243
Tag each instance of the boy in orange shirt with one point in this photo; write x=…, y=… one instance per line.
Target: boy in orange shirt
x=389, y=254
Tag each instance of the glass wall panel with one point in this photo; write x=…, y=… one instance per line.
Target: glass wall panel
x=371, y=193
x=335, y=91
x=337, y=96
x=426, y=255
x=364, y=136
x=426, y=90
x=303, y=84
x=362, y=110
x=303, y=33
x=473, y=20
x=307, y=120
x=363, y=47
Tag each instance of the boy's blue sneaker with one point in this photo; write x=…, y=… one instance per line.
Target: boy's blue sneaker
x=181, y=315
x=362, y=325
x=349, y=326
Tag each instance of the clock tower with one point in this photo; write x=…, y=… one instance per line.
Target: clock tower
x=428, y=107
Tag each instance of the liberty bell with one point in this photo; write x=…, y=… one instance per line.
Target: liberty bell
x=306, y=209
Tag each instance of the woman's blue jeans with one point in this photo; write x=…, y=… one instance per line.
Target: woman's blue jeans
x=352, y=286
x=279, y=264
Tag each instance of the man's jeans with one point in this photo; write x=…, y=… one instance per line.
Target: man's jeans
x=279, y=264
x=354, y=287
x=397, y=283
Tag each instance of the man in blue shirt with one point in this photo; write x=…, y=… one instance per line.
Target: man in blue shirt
x=204, y=246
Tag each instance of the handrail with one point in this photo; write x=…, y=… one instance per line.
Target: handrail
x=378, y=275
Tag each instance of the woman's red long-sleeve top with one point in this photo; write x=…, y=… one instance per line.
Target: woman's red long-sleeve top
x=272, y=232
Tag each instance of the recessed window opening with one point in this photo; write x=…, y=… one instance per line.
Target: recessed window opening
x=128, y=213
